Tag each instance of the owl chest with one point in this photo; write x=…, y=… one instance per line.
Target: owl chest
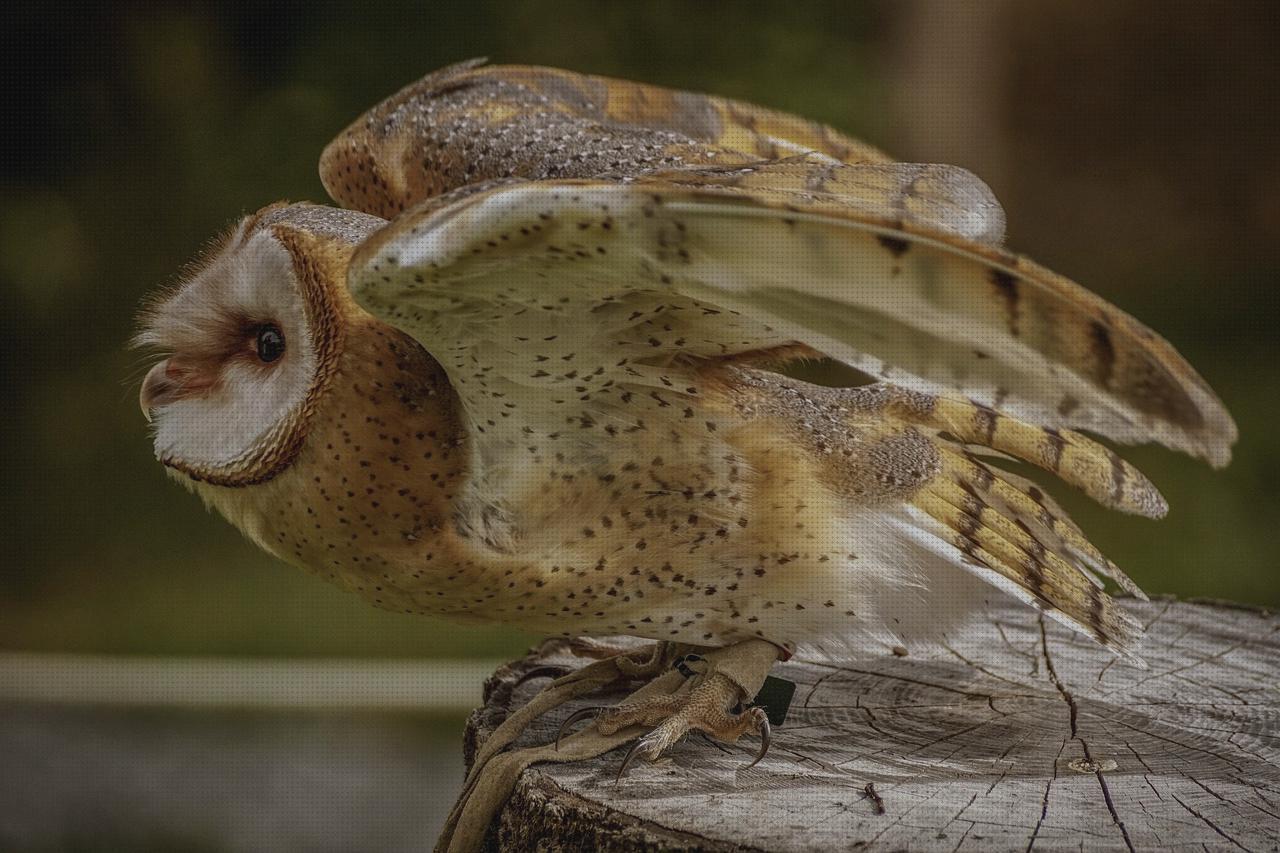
x=679, y=534
x=369, y=499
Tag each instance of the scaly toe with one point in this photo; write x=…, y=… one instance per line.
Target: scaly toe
x=650, y=712
x=702, y=709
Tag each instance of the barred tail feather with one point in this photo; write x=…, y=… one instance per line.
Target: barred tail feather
x=1064, y=531
x=1014, y=539
x=1084, y=463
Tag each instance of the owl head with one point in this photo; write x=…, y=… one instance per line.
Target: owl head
x=251, y=335
x=328, y=437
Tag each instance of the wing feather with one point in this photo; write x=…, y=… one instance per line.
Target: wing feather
x=469, y=123
x=897, y=290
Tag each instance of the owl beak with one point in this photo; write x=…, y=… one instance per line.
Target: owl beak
x=168, y=382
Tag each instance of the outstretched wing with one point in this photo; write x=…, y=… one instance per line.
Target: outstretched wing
x=470, y=123
x=568, y=244
x=894, y=282
x=561, y=301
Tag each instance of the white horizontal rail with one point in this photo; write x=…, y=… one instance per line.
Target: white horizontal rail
x=437, y=685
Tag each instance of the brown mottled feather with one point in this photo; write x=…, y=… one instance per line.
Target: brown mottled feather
x=470, y=123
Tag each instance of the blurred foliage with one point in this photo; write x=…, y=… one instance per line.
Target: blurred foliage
x=1131, y=148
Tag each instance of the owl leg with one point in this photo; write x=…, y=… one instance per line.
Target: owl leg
x=708, y=702
x=732, y=675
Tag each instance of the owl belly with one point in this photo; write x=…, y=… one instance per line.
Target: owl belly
x=713, y=516
x=711, y=529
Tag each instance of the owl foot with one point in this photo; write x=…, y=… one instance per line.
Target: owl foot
x=644, y=663
x=701, y=700
x=708, y=702
x=705, y=710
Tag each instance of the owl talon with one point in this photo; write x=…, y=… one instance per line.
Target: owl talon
x=629, y=757
x=580, y=714
x=766, y=739
x=552, y=672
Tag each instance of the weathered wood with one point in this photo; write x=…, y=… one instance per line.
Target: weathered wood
x=1021, y=736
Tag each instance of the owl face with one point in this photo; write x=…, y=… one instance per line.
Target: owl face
x=329, y=438
x=251, y=336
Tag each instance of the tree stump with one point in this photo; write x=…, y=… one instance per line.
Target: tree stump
x=1021, y=736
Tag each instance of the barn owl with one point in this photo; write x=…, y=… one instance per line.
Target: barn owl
x=537, y=369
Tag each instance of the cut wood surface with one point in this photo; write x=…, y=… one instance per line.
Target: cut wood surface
x=1021, y=736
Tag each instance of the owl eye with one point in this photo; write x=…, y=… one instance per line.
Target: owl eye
x=270, y=343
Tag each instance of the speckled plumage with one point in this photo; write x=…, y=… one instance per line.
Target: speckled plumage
x=551, y=395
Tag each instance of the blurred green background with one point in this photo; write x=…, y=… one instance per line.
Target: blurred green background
x=1133, y=144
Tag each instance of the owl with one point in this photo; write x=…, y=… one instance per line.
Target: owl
x=543, y=366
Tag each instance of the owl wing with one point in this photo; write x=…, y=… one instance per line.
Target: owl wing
x=563, y=241
x=470, y=123
x=889, y=268
x=550, y=302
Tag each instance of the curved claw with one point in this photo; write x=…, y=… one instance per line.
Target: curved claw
x=580, y=714
x=628, y=758
x=681, y=664
x=543, y=672
x=766, y=737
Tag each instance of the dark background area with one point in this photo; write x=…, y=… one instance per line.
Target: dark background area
x=1134, y=145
